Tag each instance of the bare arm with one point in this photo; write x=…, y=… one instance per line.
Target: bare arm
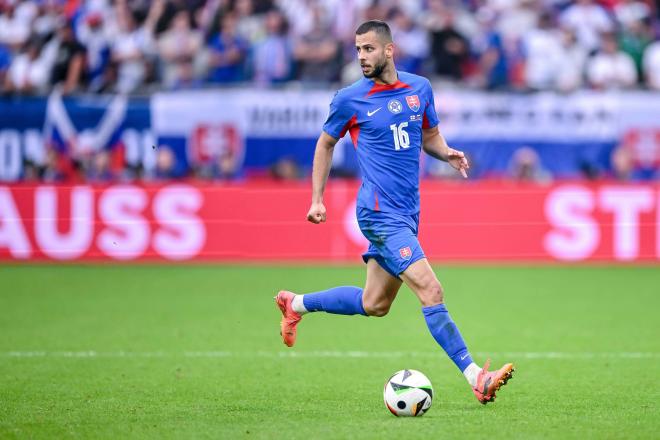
x=76, y=67
x=320, y=172
x=434, y=145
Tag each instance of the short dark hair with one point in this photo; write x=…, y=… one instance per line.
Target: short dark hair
x=379, y=27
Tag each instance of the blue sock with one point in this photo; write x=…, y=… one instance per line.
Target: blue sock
x=446, y=334
x=345, y=300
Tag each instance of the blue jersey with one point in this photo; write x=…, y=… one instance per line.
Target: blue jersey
x=385, y=123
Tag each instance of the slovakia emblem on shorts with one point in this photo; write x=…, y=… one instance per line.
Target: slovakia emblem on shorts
x=413, y=102
x=405, y=252
x=394, y=106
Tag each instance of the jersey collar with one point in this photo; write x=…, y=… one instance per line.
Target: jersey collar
x=378, y=88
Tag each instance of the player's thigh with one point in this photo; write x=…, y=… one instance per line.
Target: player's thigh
x=421, y=279
x=380, y=288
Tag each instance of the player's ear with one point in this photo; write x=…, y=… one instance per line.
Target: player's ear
x=389, y=50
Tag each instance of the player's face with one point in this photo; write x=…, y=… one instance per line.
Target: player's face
x=373, y=54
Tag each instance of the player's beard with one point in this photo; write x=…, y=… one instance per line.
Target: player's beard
x=378, y=70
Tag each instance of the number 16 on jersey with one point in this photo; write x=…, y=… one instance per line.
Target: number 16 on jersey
x=401, y=138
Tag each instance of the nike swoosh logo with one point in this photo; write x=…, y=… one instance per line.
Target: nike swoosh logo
x=463, y=357
x=370, y=114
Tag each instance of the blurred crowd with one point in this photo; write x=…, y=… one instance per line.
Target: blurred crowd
x=108, y=46
x=140, y=46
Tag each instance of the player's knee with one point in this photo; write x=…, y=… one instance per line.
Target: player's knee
x=432, y=294
x=376, y=309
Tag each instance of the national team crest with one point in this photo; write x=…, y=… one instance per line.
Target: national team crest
x=405, y=253
x=394, y=106
x=413, y=102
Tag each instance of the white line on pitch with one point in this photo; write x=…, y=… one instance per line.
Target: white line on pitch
x=322, y=354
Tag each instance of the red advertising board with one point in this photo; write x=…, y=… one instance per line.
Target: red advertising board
x=265, y=221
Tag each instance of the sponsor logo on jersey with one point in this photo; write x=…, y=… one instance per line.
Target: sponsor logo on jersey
x=405, y=253
x=415, y=118
x=394, y=106
x=413, y=102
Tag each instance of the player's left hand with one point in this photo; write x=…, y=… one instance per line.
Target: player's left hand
x=316, y=213
x=458, y=160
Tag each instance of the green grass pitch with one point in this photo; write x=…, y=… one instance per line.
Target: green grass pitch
x=141, y=351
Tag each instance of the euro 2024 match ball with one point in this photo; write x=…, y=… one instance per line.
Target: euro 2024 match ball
x=408, y=393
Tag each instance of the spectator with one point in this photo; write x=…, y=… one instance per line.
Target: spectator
x=46, y=22
x=574, y=58
x=630, y=12
x=99, y=167
x=516, y=19
x=286, y=169
x=178, y=48
x=28, y=72
x=412, y=42
x=638, y=156
x=439, y=11
x=610, y=67
x=316, y=53
x=588, y=20
x=376, y=10
x=345, y=18
x=165, y=164
x=272, y=56
x=69, y=60
x=132, y=44
x=222, y=167
x=544, y=57
x=208, y=16
x=301, y=15
x=228, y=53
x=633, y=40
x=492, y=58
x=187, y=78
x=483, y=49
x=93, y=35
x=52, y=171
x=525, y=166
x=226, y=166
x=622, y=164
x=651, y=65
x=31, y=172
x=250, y=23
x=15, y=23
x=450, y=50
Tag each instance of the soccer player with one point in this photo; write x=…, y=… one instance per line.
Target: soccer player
x=391, y=117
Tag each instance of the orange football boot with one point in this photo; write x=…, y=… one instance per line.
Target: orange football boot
x=488, y=382
x=290, y=318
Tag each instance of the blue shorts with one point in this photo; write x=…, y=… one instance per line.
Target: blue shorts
x=392, y=237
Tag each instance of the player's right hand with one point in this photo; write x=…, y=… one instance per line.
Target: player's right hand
x=316, y=213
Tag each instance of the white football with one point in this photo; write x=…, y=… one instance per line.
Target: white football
x=408, y=393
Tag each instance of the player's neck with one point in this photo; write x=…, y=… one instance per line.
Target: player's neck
x=389, y=76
